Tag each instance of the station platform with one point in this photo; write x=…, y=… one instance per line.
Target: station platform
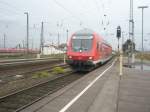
x=134, y=93
x=102, y=90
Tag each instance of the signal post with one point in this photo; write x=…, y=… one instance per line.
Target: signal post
x=120, y=51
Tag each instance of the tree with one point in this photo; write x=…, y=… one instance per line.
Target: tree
x=127, y=46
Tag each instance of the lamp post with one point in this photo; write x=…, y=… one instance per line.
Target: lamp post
x=42, y=38
x=4, y=40
x=58, y=35
x=131, y=35
x=142, y=7
x=27, y=39
x=66, y=47
x=67, y=35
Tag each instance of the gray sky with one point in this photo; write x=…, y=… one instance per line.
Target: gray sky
x=72, y=15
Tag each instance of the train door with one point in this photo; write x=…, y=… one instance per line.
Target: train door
x=100, y=54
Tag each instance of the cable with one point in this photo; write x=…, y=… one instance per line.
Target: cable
x=8, y=11
x=103, y=15
x=97, y=6
x=9, y=5
x=68, y=11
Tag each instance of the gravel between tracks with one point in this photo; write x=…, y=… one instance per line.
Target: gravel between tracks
x=27, y=80
x=7, y=71
x=13, y=102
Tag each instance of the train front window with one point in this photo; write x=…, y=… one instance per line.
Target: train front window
x=82, y=43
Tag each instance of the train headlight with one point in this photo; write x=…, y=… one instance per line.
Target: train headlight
x=90, y=57
x=70, y=57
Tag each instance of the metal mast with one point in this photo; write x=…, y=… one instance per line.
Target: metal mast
x=131, y=32
x=27, y=40
x=142, y=7
x=4, y=40
x=42, y=37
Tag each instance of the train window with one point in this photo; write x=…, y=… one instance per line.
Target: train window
x=81, y=44
x=76, y=44
x=83, y=37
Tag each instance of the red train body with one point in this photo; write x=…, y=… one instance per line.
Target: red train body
x=86, y=49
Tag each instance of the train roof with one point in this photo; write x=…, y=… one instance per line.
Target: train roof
x=85, y=31
x=88, y=32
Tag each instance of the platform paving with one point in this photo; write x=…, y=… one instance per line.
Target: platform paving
x=105, y=95
x=134, y=94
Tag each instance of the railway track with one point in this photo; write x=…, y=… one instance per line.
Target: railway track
x=26, y=63
x=6, y=72
x=21, y=61
x=13, y=77
x=17, y=101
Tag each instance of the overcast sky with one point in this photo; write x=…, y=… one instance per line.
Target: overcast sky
x=73, y=15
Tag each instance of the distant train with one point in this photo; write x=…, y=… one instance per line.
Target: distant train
x=86, y=49
x=17, y=50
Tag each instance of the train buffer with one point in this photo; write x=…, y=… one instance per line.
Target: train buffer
x=101, y=90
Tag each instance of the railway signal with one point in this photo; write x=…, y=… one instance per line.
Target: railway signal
x=119, y=50
x=118, y=32
x=118, y=35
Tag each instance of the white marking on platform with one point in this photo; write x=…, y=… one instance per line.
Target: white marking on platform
x=85, y=89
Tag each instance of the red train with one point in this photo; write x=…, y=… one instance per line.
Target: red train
x=86, y=49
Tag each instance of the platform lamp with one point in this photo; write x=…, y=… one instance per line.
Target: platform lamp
x=142, y=7
x=66, y=47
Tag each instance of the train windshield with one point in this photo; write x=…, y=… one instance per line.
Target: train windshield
x=82, y=43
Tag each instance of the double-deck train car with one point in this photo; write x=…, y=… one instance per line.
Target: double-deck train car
x=86, y=49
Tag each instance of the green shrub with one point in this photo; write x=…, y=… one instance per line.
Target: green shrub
x=58, y=70
x=146, y=56
x=41, y=74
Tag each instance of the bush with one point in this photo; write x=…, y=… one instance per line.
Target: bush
x=146, y=56
x=58, y=70
x=41, y=74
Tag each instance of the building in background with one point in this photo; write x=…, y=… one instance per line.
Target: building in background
x=49, y=49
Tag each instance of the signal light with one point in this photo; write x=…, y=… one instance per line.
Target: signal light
x=118, y=32
x=70, y=57
x=90, y=57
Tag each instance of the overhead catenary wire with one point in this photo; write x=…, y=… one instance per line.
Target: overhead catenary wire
x=68, y=11
x=97, y=5
x=81, y=22
x=11, y=6
x=98, y=10
x=11, y=9
x=8, y=12
x=17, y=11
x=103, y=16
